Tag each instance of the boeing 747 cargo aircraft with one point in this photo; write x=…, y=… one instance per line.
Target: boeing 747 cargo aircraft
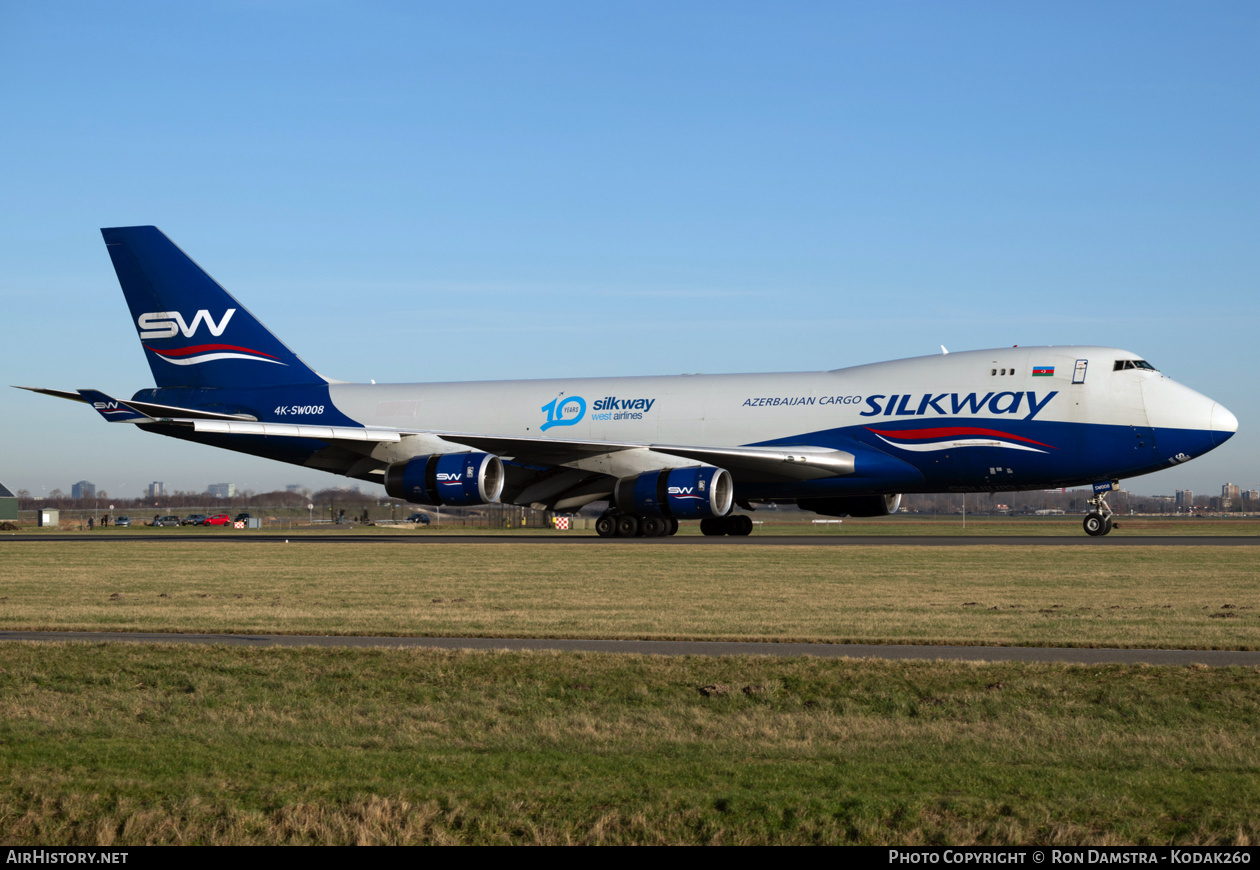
x=846, y=442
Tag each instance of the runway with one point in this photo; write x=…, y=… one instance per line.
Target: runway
x=590, y=539
x=895, y=652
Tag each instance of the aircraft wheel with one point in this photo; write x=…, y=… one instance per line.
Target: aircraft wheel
x=673, y=526
x=1096, y=525
x=606, y=526
x=1110, y=526
x=740, y=524
x=652, y=527
x=712, y=526
x=627, y=526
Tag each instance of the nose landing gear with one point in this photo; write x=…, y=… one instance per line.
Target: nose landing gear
x=1098, y=521
x=1096, y=524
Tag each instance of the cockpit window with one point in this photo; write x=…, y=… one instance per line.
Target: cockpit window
x=1142, y=364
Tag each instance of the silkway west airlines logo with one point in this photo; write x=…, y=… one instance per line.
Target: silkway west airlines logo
x=169, y=324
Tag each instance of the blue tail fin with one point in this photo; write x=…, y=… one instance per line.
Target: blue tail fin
x=192, y=330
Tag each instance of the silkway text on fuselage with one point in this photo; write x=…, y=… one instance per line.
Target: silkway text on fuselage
x=612, y=403
x=921, y=404
x=953, y=404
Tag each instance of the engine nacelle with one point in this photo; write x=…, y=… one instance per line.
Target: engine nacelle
x=447, y=478
x=684, y=493
x=852, y=506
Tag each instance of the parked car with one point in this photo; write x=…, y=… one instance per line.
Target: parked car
x=241, y=518
x=419, y=519
x=193, y=520
x=217, y=520
x=123, y=522
x=167, y=521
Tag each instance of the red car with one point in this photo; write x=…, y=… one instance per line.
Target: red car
x=217, y=520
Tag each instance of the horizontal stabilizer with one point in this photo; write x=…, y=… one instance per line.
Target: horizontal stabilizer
x=171, y=412
x=115, y=409
x=60, y=394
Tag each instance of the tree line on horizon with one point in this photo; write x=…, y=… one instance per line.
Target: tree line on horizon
x=354, y=500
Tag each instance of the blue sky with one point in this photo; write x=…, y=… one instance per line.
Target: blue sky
x=415, y=191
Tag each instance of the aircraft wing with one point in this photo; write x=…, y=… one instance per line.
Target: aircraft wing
x=796, y=462
x=365, y=452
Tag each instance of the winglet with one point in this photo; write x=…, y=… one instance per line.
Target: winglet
x=110, y=408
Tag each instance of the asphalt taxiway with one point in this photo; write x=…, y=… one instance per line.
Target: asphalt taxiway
x=590, y=539
x=1068, y=655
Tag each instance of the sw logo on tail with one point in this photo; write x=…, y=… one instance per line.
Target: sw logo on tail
x=167, y=324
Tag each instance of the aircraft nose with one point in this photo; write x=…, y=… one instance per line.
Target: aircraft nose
x=1188, y=422
x=1224, y=424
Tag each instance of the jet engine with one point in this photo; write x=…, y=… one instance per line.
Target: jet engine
x=683, y=493
x=447, y=478
x=852, y=506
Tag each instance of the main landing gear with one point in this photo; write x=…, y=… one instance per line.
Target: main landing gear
x=1098, y=521
x=734, y=524
x=614, y=524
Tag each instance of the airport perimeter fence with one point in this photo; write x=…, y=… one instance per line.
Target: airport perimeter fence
x=326, y=516
x=510, y=517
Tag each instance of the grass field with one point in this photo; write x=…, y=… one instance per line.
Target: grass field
x=129, y=744
x=1200, y=597
x=113, y=744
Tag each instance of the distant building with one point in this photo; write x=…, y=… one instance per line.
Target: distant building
x=156, y=488
x=221, y=490
x=1185, y=499
x=293, y=487
x=83, y=489
x=8, y=504
x=1229, y=496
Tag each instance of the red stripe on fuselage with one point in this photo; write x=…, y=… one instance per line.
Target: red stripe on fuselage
x=953, y=431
